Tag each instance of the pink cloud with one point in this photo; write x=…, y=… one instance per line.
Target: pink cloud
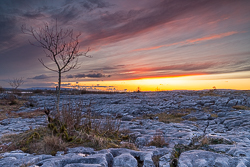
x=192, y=41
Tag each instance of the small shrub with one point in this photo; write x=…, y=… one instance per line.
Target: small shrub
x=158, y=140
x=37, y=91
x=10, y=97
x=214, y=115
x=171, y=117
x=1, y=89
x=128, y=145
x=209, y=93
x=192, y=119
x=52, y=144
x=205, y=141
x=17, y=92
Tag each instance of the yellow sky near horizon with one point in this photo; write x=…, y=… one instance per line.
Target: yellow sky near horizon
x=198, y=82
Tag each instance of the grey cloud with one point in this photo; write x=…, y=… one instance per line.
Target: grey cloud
x=40, y=77
x=105, y=68
x=94, y=75
x=68, y=84
x=7, y=30
x=93, y=4
x=33, y=14
x=119, y=25
x=68, y=13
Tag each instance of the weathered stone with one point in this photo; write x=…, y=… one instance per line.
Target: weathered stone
x=202, y=158
x=125, y=160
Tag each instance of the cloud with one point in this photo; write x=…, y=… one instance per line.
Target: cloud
x=94, y=75
x=66, y=14
x=212, y=37
x=94, y=4
x=33, y=14
x=119, y=25
x=7, y=30
x=66, y=84
x=192, y=41
x=40, y=77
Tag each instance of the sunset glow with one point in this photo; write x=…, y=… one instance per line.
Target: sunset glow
x=154, y=45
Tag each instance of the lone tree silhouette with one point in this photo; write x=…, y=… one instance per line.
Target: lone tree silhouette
x=61, y=46
x=15, y=83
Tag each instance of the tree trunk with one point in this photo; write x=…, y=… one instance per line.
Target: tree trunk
x=58, y=91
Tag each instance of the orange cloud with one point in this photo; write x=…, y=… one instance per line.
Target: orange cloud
x=192, y=41
x=167, y=76
x=211, y=37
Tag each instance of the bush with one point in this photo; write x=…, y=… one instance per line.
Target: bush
x=71, y=128
x=1, y=89
x=37, y=91
x=158, y=140
x=52, y=144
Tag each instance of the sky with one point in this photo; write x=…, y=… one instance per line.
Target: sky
x=153, y=45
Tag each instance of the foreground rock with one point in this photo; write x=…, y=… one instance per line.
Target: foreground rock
x=105, y=158
x=197, y=158
x=214, y=133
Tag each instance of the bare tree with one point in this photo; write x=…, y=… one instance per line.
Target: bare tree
x=15, y=83
x=60, y=46
x=1, y=89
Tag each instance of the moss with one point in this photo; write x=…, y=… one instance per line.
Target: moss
x=24, y=149
x=125, y=137
x=36, y=135
x=53, y=153
x=50, y=119
x=51, y=126
x=63, y=129
x=54, y=131
x=112, y=145
x=69, y=139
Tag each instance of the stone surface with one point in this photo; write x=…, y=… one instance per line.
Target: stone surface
x=125, y=160
x=212, y=117
x=200, y=158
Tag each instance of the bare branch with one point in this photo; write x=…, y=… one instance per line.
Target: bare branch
x=41, y=61
x=15, y=83
x=60, y=45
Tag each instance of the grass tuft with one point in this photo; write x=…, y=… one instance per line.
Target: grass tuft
x=241, y=107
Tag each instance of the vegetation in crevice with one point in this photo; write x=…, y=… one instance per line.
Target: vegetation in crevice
x=70, y=128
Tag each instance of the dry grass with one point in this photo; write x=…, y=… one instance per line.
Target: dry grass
x=209, y=93
x=10, y=103
x=214, y=115
x=171, y=117
x=192, y=119
x=174, y=116
x=30, y=141
x=210, y=140
x=241, y=107
x=67, y=129
x=52, y=144
x=128, y=145
x=205, y=141
x=158, y=140
x=32, y=114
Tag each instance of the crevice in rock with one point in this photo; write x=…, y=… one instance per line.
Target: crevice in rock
x=175, y=156
x=204, y=131
x=174, y=162
x=139, y=161
x=155, y=159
